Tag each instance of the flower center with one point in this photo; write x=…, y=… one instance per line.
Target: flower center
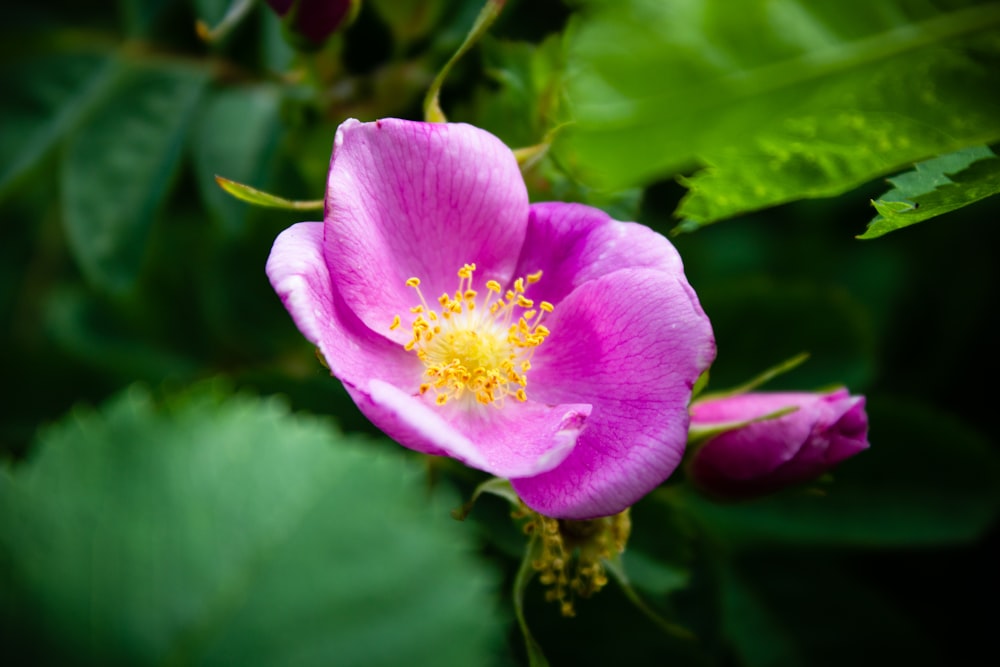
x=477, y=350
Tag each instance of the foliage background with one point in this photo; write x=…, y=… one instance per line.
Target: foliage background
x=202, y=516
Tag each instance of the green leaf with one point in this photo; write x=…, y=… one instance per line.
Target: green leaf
x=520, y=104
x=82, y=325
x=119, y=164
x=240, y=150
x=936, y=187
x=654, y=576
x=927, y=479
x=409, y=19
x=779, y=100
x=265, y=199
x=226, y=531
x=44, y=98
x=139, y=15
x=497, y=486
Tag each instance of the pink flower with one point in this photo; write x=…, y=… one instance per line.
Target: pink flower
x=544, y=343
x=315, y=20
x=770, y=454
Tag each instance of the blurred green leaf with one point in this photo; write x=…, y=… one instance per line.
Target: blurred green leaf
x=119, y=164
x=781, y=100
x=276, y=53
x=213, y=11
x=653, y=576
x=520, y=107
x=409, y=19
x=226, y=531
x=85, y=327
x=139, y=15
x=43, y=100
x=242, y=151
x=927, y=479
x=936, y=187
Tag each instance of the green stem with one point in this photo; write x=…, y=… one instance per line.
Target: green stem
x=618, y=572
x=237, y=10
x=488, y=14
x=263, y=199
x=536, y=658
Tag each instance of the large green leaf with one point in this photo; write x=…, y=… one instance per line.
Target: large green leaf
x=936, y=187
x=239, y=151
x=927, y=479
x=83, y=326
x=43, y=99
x=229, y=532
x=119, y=164
x=781, y=100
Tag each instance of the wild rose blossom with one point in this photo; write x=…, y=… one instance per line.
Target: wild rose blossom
x=768, y=455
x=546, y=343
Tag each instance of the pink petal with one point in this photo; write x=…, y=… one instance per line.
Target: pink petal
x=516, y=440
x=631, y=343
x=299, y=274
x=756, y=449
x=407, y=199
x=574, y=243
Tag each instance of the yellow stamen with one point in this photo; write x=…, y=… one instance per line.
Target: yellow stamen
x=570, y=556
x=478, y=352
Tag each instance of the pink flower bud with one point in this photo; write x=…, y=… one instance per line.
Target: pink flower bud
x=767, y=455
x=314, y=20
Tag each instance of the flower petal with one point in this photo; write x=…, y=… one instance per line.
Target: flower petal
x=631, y=343
x=516, y=440
x=574, y=243
x=756, y=449
x=765, y=456
x=407, y=199
x=839, y=432
x=299, y=274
